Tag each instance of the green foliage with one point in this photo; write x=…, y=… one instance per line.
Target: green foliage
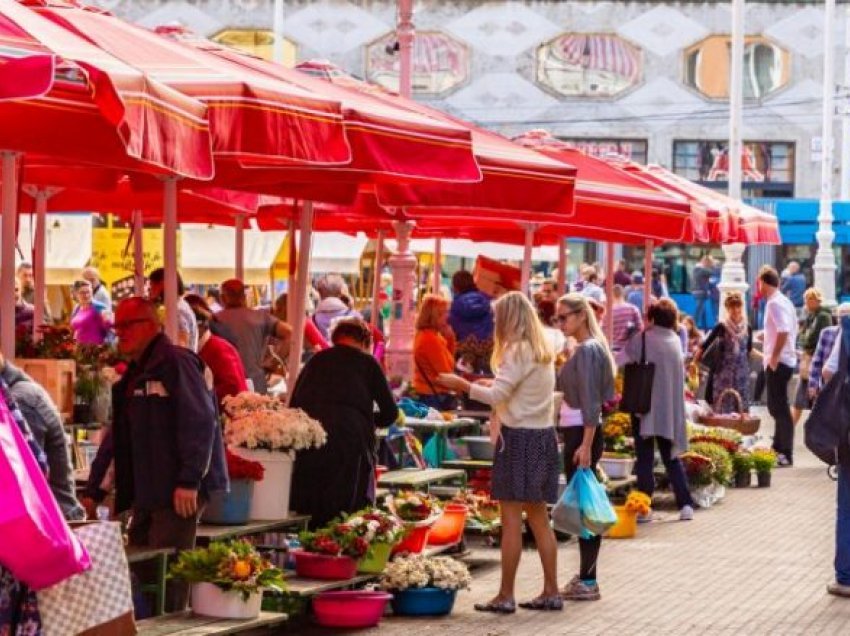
x=742, y=462
x=721, y=461
x=764, y=460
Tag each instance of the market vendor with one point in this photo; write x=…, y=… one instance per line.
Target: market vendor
x=167, y=443
x=340, y=387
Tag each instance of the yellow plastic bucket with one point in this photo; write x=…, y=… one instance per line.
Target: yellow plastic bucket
x=626, y=526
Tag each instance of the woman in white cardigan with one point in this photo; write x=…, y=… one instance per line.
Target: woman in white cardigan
x=525, y=465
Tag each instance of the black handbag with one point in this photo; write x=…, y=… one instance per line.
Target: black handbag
x=826, y=427
x=711, y=356
x=637, y=383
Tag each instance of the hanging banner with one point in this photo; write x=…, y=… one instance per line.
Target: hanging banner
x=109, y=247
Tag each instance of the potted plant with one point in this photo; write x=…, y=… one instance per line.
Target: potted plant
x=234, y=507
x=227, y=579
x=417, y=512
x=637, y=503
x=380, y=530
x=330, y=553
x=742, y=464
x=262, y=429
x=764, y=461
x=86, y=388
x=618, y=457
x=423, y=586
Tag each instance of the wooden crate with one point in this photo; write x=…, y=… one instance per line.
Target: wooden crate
x=57, y=376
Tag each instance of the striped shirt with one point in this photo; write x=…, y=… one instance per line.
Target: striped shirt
x=627, y=320
x=826, y=342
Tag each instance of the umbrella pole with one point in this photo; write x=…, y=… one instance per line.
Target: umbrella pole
x=138, y=253
x=290, y=271
x=169, y=239
x=41, y=196
x=240, y=247
x=296, y=344
x=647, y=276
x=438, y=266
x=7, y=248
x=609, y=293
x=526, y=260
x=562, y=266
x=376, y=279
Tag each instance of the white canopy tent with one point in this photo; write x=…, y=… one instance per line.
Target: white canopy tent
x=337, y=252
x=208, y=254
x=68, y=245
x=464, y=248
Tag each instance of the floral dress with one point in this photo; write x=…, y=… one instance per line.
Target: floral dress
x=19, y=614
x=733, y=369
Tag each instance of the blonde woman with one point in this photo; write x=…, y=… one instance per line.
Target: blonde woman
x=433, y=353
x=525, y=466
x=587, y=382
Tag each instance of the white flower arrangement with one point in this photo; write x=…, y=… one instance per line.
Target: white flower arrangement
x=262, y=422
x=418, y=571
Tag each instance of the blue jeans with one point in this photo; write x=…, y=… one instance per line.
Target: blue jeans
x=842, y=527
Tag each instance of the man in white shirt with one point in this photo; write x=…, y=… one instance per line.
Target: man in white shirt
x=780, y=360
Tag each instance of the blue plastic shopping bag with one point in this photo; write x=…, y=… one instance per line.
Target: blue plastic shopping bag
x=584, y=508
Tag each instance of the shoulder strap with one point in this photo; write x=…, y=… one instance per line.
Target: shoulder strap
x=643, y=347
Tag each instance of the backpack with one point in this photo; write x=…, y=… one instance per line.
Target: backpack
x=826, y=430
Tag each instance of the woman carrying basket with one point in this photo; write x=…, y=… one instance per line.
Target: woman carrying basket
x=732, y=339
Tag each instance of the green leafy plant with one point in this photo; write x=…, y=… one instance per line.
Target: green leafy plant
x=721, y=461
x=230, y=566
x=88, y=384
x=764, y=460
x=742, y=462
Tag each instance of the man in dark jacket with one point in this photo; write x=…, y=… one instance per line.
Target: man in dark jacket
x=168, y=449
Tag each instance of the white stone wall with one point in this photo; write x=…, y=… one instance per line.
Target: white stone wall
x=503, y=36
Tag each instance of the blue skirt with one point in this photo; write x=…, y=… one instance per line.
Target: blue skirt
x=526, y=465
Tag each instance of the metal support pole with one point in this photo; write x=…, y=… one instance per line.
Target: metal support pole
x=405, y=34
x=297, y=318
x=41, y=197
x=277, y=27
x=647, y=275
x=609, y=293
x=845, y=124
x=7, y=253
x=437, y=283
x=138, y=253
x=824, y=265
x=402, y=329
x=376, y=279
x=240, y=247
x=562, y=266
x=169, y=254
x=733, y=275
x=290, y=271
x=525, y=281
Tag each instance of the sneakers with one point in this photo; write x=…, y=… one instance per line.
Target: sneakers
x=838, y=589
x=783, y=461
x=686, y=513
x=578, y=590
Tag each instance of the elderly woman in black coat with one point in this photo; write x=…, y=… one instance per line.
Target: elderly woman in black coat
x=340, y=387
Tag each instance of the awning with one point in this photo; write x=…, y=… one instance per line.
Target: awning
x=472, y=249
x=208, y=254
x=336, y=252
x=68, y=242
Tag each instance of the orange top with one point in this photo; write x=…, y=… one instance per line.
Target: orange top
x=433, y=354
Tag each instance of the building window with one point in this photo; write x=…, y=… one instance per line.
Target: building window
x=632, y=149
x=440, y=63
x=767, y=67
x=257, y=42
x=589, y=65
x=767, y=166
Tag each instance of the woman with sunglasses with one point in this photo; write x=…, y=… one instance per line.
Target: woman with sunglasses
x=587, y=382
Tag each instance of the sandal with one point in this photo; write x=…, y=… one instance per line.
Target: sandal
x=544, y=603
x=496, y=607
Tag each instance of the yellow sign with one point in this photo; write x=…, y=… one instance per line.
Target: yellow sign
x=108, y=252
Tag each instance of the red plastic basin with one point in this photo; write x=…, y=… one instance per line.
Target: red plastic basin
x=414, y=542
x=449, y=526
x=352, y=609
x=321, y=566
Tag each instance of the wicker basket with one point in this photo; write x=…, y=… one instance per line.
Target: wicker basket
x=744, y=423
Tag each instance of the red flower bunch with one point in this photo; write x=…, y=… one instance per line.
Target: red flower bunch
x=411, y=506
x=338, y=539
x=241, y=468
x=729, y=445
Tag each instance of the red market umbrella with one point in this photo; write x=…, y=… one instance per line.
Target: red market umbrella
x=252, y=119
x=610, y=198
x=515, y=180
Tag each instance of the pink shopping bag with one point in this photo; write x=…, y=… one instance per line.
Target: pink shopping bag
x=37, y=545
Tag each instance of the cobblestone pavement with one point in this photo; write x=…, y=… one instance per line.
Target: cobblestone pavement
x=757, y=563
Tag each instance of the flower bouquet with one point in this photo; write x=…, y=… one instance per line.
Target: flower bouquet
x=418, y=512
x=262, y=429
x=637, y=503
x=380, y=530
x=234, y=507
x=484, y=513
x=330, y=553
x=227, y=579
x=764, y=461
x=424, y=586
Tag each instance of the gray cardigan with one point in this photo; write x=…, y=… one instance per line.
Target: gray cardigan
x=587, y=380
x=666, y=417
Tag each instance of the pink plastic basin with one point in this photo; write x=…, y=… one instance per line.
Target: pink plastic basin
x=352, y=609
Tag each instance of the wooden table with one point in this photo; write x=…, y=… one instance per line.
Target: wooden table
x=137, y=554
x=187, y=624
x=209, y=532
x=475, y=415
x=469, y=465
x=417, y=478
x=300, y=586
